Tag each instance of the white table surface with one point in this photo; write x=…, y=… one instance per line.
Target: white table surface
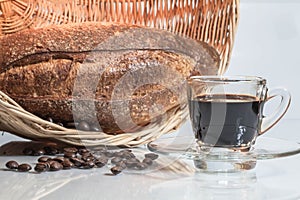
x=266, y=45
x=271, y=179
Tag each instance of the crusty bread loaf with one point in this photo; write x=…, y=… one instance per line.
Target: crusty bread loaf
x=115, y=75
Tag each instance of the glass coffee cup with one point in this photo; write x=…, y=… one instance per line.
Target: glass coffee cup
x=228, y=111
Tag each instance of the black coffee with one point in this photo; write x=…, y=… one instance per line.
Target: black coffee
x=225, y=119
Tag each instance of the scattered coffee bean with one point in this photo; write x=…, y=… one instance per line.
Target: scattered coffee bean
x=28, y=151
x=131, y=163
x=24, y=167
x=83, y=151
x=55, y=166
x=84, y=126
x=134, y=159
x=49, y=162
x=44, y=159
x=71, y=150
x=69, y=155
x=109, y=154
x=200, y=164
x=86, y=154
x=88, y=165
x=38, y=152
x=119, y=154
x=59, y=159
x=83, y=158
x=115, y=160
x=77, y=162
x=148, y=161
x=88, y=158
x=152, y=156
x=121, y=164
x=128, y=155
x=50, y=150
x=116, y=170
x=41, y=167
x=100, y=162
x=12, y=164
x=67, y=164
x=141, y=166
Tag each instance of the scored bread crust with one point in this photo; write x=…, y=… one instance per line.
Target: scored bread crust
x=116, y=68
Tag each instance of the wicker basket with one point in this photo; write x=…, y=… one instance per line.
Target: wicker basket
x=211, y=21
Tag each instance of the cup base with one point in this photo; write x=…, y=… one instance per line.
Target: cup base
x=219, y=160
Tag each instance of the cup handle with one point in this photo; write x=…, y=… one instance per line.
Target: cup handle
x=269, y=121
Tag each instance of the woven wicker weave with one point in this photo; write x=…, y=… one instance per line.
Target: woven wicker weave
x=211, y=21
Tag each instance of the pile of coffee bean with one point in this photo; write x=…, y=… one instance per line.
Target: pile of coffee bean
x=53, y=159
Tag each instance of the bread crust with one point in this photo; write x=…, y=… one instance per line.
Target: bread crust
x=94, y=71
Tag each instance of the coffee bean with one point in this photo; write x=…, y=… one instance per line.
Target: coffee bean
x=121, y=164
x=148, y=161
x=134, y=160
x=82, y=151
x=67, y=164
x=41, y=167
x=100, y=162
x=86, y=154
x=49, y=162
x=119, y=154
x=44, y=159
x=70, y=150
x=152, y=156
x=116, y=160
x=38, y=152
x=59, y=159
x=24, y=167
x=28, y=151
x=84, y=126
x=141, y=166
x=76, y=161
x=50, y=150
x=55, y=166
x=69, y=155
x=200, y=164
x=128, y=155
x=116, y=170
x=12, y=164
x=131, y=163
x=88, y=158
x=88, y=165
x=109, y=154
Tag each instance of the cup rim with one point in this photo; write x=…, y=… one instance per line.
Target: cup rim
x=232, y=79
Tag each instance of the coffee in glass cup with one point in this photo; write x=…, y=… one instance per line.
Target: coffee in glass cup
x=228, y=111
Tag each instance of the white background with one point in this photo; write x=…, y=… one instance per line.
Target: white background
x=267, y=45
